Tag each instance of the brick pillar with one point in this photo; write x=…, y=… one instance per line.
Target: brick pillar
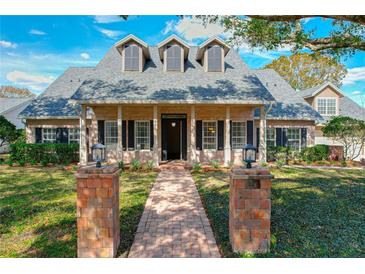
x=250, y=210
x=98, y=233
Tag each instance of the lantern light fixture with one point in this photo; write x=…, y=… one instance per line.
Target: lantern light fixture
x=98, y=152
x=249, y=155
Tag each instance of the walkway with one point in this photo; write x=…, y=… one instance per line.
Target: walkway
x=174, y=223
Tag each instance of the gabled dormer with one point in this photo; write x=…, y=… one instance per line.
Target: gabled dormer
x=173, y=52
x=211, y=54
x=134, y=53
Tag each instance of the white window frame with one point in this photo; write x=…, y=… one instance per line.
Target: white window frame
x=73, y=140
x=294, y=139
x=243, y=137
x=137, y=137
x=125, y=57
x=267, y=135
x=216, y=135
x=326, y=99
x=107, y=138
x=49, y=140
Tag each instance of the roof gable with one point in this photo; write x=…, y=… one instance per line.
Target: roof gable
x=213, y=40
x=173, y=39
x=312, y=92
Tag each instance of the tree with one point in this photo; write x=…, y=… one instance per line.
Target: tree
x=272, y=32
x=347, y=131
x=11, y=92
x=8, y=132
x=304, y=70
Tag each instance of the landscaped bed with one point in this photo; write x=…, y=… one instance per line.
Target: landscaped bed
x=38, y=210
x=315, y=212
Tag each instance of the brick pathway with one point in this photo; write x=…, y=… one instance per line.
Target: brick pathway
x=174, y=223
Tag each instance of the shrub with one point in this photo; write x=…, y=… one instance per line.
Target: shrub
x=2, y=161
x=33, y=162
x=197, y=167
x=135, y=165
x=44, y=162
x=9, y=162
x=214, y=163
x=21, y=163
x=315, y=153
x=230, y=163
x=121, y=165
x=50, y=153
x=281, y=159
x=149, y=165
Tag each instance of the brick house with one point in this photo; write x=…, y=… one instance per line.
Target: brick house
x=171, y=101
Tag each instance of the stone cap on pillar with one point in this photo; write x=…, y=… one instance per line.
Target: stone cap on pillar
x=93, y=171
x=258, y=173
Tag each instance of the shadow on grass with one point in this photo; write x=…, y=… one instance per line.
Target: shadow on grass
x=315, y=214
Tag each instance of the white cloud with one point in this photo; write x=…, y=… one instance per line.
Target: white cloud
x=356, y=92
x=104, y=19
x=7, y=44
x=85, y=55
x=32, y=81
x=110, y=33
x=353, y=75
x=37, y=32
x=193, y=28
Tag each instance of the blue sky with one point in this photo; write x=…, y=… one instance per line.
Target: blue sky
x=34, y=50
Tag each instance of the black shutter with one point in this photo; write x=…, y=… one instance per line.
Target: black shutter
x=220, y=135
x=151, y=135
x=303, y=136
x=285, y=138
x=38, y=135
x=101, y=132
x=250, y=132
x=198, y=134
x=130, y=135
x=164, y=136
x=124, y=135
x=279, y=139
x=184, y=139
x=230, y=133
x=257, y=139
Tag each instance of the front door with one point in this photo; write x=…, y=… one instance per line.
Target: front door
x=173, y=135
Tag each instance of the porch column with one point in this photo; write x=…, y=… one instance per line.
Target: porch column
x=83, y=141
x=155, y=135
x=120, y=145
x=227, y=138
x=192, y=136
x=262, y=146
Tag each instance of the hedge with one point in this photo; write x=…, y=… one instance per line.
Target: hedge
x=44, y=153
x=315, y=153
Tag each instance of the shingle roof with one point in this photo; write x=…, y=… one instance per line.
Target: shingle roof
x=55, y=100
x=7, y=104
x=289, y=104
x=310, y=92
x=109, y=84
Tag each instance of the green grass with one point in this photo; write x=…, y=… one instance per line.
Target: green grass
x=315, y=213
x=38, y=211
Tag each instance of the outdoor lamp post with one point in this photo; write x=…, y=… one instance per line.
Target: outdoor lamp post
x=98, y=151
x=249, y=155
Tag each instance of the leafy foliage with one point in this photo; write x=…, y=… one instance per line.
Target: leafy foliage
x=197, y=166
x=315, y=153
x=347, y=131
x=14, y=92
x=135, y=165
x=44, y=153
x=8, y=132
x=315, y=212
x=215, y=163
x=304, y=70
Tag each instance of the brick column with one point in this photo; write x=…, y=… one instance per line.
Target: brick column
x=250, y=210
x=98, y=233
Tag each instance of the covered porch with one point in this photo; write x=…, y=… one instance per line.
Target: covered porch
x=162, y=132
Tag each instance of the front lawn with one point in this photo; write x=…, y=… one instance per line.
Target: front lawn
x=38, y=210
x=315, y=213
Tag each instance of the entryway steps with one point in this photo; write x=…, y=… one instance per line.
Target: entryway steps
x=174, y=223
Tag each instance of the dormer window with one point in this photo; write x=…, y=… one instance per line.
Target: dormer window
x=211, y=54
x=131, y=57
x=327, y=106
x=215, y=58
x=173, y=58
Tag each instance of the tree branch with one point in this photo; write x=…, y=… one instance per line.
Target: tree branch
x=360, y=19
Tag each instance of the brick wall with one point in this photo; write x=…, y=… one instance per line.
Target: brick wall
x=98, y=233
x=250, y=210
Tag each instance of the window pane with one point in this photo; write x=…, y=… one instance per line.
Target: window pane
x=331, y=106
x=111, y=132
x=173, y=58
x=209, y=135
x=142, y=134
x=215, y=58
x=270, y=137
x=49, y=135
x=238, y=135
x=293, y=135
x=321, y=106
x=131, y=57
x=74, y=135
